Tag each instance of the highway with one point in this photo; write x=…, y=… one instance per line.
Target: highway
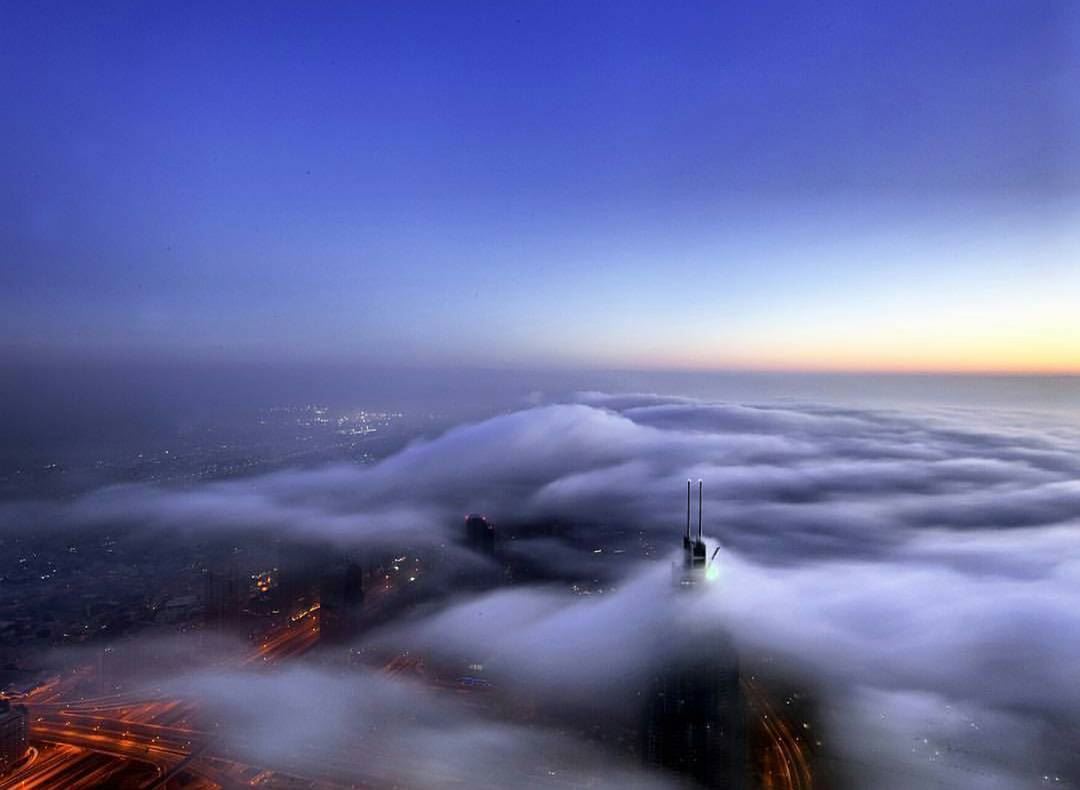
x=785, y=761
x=297, y=638
x=149, y=740
x=90, y=742
x=69, y=766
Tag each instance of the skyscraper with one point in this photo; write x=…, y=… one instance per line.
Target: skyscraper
x=480, y=534
x=694, y=714
x=341, y=600
x=224, y=598
x=693, y=721
x=14, y=734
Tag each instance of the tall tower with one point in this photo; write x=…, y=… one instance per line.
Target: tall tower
x=223, y=597
x=14, y=734
x=695, y=560
x=341, y=601
x=693, y=721
x=480, y=534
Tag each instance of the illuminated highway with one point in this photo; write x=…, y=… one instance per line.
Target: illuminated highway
x=68, y=766
x=297, y=638
x=89, y=742
x=146, y=739
x=785, y=763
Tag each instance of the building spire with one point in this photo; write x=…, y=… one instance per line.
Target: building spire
x=699, y=486
x=687, y=538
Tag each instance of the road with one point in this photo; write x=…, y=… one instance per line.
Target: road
x=69, y=766
x=151, y=740
x=785, y=761
x=89, y=742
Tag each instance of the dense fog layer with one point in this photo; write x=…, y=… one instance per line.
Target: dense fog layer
x=920, y=568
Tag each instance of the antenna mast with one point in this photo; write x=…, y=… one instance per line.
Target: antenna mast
x=688, y=510
x=699, y=509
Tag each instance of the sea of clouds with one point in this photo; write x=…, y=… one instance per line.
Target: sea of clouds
x=919, y=567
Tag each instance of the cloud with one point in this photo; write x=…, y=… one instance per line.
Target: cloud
x=781, y=480
x=919, y=567
x=359, y=726
x=590, y=653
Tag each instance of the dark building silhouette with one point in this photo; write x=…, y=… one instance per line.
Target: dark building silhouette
x=306, y=572
x=298, y=571
x=326, y=579
x=480, y=534
x=482, y=538
x=693, y=720
x=14, y=734
x=692, y=570
x=341, y=601
x=224, y=597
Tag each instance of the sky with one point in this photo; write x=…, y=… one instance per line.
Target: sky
x=822, y=186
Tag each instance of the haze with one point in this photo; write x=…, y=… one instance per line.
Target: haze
x=540, y=395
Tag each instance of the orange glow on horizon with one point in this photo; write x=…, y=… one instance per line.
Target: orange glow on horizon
x=864, y=359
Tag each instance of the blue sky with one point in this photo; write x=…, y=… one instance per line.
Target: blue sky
x=708, y=185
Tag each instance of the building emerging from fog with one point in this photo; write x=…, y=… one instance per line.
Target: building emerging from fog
x=341, y=601
x=14, y=734
x=694, y=717
x=224, y=596
x=482, y=538
x=480, y=534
